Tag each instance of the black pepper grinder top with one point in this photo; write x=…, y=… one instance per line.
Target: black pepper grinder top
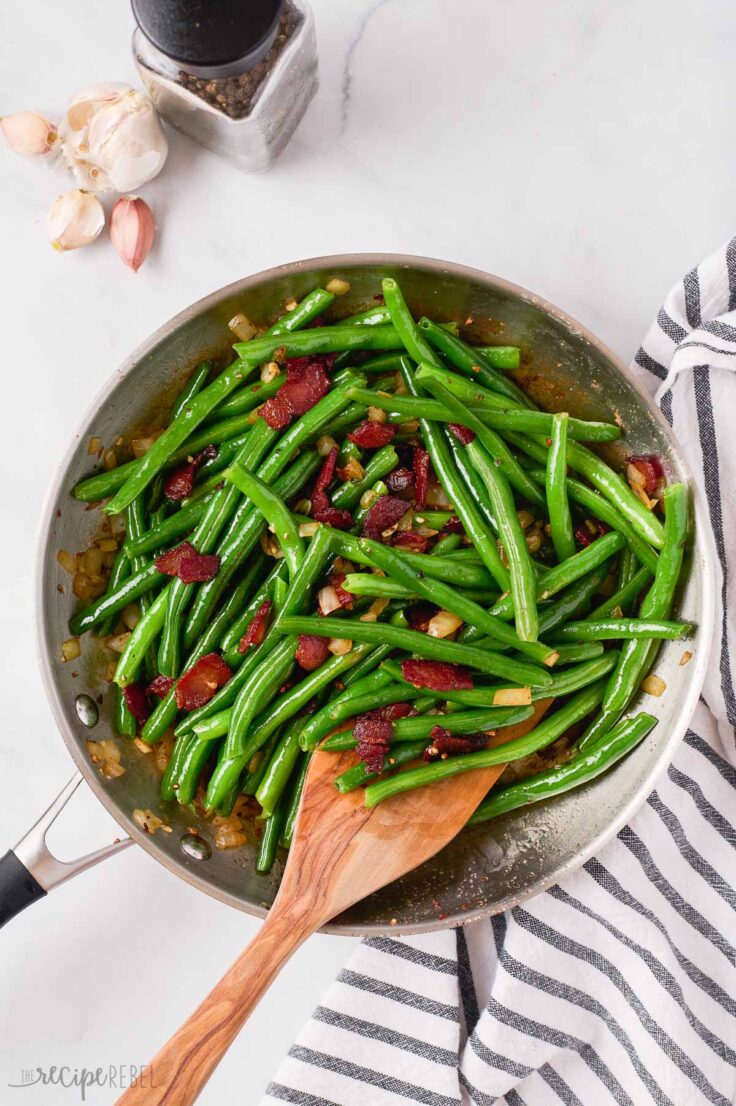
x=210, y=39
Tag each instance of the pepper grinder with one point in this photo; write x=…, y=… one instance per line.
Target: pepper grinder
x=236, y=75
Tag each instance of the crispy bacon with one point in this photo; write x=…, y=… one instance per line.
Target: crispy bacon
x=463, y=433
x=583, y=536
x=650, y=466
x=453, y=526
x=420, y=614
x=372, y=435
x=344, y=598
x=136, y=702
x=393, y=711
x=256, y=631
x=198, y=568
x=311, y=652
x=170, y=561
x=306, y=382
x=410, y=540
x=384, y=513
x=399, y=480
x=373, y=736
x=437, y=675
x=197, y=686
x=322, y=510
x=420, y=468
x=443, y=743
x=179, y=484
x=161, y=686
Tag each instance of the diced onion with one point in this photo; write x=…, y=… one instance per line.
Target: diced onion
x=242, y=327
x=94, y=446
x=337, y=286
x=110, y=459
x=526, y=518
x=142, y=746
x=376, y=609
x=68, y=561
x=117, y=642
x=367, y=498
x=512, y=697
x=308, y=529
x=377, y=414
x=327, y=600
x=352, y=469
x=339, y=646
x=685, y=658
x=653, y=685
x=270, y=371
x=141, y=446
x=271, y=547
x=443, y=624
x=70, y=649
x=147, y=820
x=107, y=545
x=325, y=445
x=106, y=755
x=131, y=615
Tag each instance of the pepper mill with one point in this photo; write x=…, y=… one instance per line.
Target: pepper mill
x=236, y=76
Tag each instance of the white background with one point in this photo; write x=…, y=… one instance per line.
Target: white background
x=584, y=149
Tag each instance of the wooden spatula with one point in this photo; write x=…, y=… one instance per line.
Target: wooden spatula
x=341, y=852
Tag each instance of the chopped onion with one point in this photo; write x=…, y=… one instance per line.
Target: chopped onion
x=325, y=445
x=147, y=820
x=140, y=446
x=376, y=609
x=634, y=475
x=229, y=831
x=270, y=371
x=512, y=697
x=242, y=327
x=685, y=658
x=443, y=624
x=337, y=286
x=94, y=446
x=68, y=561
x=526, y=518
x=327, y=600
x=131, y=615
x=308, y=529
x=110, y=459
x=106, y=755
x=107, y=545
x=70, y=649
x=117, y=642
x=377, y=414
x=339, y=646
x=653, y=685
x=352, y=470
x=367, y=498
x=142, y=746
x=271, y=547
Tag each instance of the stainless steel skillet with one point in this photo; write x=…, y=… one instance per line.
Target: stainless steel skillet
x=486, y=869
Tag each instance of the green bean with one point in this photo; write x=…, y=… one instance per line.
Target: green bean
x=382, y=462
x=125, y=722
x=292, y=806
x=627, y=566
x=624, y=597
x=598, y=507
x=194, y=384
x=274, y=510
x=280, y=767
x=165, y=532
x=422, y=645
x=384, y=363
x=580, y=651
x=358, y=774
x=113, y=601
x=118, y=574
x=383, y=587
x=259, y=762
x=657, y=603
x=247, y=398
x=624, y=628
x=542, y=735
x=192, y=764
x=523, y=585
x=438, y=568
x=448, y=598
x=500, y=357
x=265, y=590
x=558, y=507
x=472, y=362
x=475, y=485
x=272, y=829
x=460, y=722
x=141, y=640
x=250, y=355
x=339, y=712
x=178, y=753
x=337, y=709
x=582, y=768
x=446, y=543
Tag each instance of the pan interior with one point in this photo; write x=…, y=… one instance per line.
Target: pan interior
x=489, y=867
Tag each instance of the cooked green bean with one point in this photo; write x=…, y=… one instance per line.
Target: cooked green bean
x=127, y=592
x=274, y=510
x=382, y=462
x=272, y=829
x=460, y=722
x=471, y=361
x=558, y=507
x=625, y=596
x=579, y=651
x=607, y=629
x=292, y=805
x=358, y=774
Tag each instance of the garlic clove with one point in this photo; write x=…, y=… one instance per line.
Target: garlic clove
x=75, y=219
x=28, y=133
x=111, y=138
x=132, y=230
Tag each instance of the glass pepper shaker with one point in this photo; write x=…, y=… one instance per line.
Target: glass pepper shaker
x=236, y=76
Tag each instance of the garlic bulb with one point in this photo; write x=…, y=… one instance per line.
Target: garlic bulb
x=132, y=230
x=28, y=133
x=112, y=139
x=75, y=220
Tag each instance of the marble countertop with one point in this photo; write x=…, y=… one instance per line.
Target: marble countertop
x=581, y=150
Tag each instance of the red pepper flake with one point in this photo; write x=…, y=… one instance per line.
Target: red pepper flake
x=420, y=468
x=256, y=631
x=463, y=433
x=650, y=466
x=311, y=652
x=306, y=382
x=437, y=675
x=372, y=435
x=197, y=686
x=453, y=526
x=399, y=480
x=373, y=736
x=383, y=514
x=136, y=702
x=444, y=744
x=179, y=484
x=322, y=510
x=410, y=540
x=161, y=686
x=420, y=614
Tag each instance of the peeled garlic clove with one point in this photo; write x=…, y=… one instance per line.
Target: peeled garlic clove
x=132, y=230
x=75, y=220
x=112, y=139
x=28, y=133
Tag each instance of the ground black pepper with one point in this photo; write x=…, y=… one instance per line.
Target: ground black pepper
x=234, y=95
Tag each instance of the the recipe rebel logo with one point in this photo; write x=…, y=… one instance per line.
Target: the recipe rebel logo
x=83, y=1080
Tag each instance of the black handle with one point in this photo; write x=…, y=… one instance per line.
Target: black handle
x=18, y=888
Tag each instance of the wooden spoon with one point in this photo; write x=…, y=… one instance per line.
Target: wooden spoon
x=341, y=853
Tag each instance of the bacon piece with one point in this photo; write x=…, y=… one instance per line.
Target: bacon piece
x=410, y=540
x=463, y=433
x=276, y=411
x=420, y=614
x=444, y=743
x=372, y=435
x=322, y=510
x=437, y=675
x=306, y=382
x=650, y=466
x=384, y=513
x=198, y=568
x=256, y=631
x=374, y=740
x=393, y=711
x=420, y=468
x=179, y=484
x=197, y=686
x=161, y=686
x=453, y=526
x=344, y=598
x=583, y=536
x=170, y=561
x=311, y=652
x=136, y=702
x=399, y=480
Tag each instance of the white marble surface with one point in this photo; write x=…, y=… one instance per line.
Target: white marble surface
x=582, y=149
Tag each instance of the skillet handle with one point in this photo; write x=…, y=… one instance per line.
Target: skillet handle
x=30, y=870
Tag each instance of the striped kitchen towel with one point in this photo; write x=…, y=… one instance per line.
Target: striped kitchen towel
x=618, y=986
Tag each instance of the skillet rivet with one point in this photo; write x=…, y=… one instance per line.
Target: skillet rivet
x=87, y=710
x=195, y=846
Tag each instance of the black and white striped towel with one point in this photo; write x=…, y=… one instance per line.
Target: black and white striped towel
x=618, y=986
